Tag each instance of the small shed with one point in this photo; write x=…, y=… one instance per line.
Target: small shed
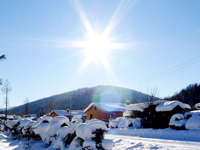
x=104, y=111
x=66, y=113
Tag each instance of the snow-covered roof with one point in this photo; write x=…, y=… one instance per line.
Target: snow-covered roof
x=141, y=106
x=126, y=114
x=194, y=112
x=65, y=113
x=108, y=107
x=2, y=115
x=136, y=107
x=170, y=105
x=197, y=106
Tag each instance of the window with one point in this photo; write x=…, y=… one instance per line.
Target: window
x=112, y=116
x=95, y=108
x=91, y=116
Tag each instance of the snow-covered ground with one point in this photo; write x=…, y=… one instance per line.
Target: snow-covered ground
x=131, y=139
x=137, y=143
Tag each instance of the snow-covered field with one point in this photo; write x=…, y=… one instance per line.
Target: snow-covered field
x=130, y=139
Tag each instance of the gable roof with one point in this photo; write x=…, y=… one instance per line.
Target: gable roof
x=65, y=113
x=108, y=107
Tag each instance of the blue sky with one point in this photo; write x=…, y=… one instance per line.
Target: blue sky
x=159, y=46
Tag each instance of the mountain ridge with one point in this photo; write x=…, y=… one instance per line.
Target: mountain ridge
x=80, y=99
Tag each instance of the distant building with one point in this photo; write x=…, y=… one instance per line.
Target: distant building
x=66, y=113
x=31, y=116
x=104, y=111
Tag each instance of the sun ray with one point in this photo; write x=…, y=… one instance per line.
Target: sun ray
x=82, y=14
x=120, y=12
x=109, y=71
x=98, y=45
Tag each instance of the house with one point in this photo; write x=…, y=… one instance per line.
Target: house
x=136, y=110
x=66, y=113
x=156, y=114
x=104, y=111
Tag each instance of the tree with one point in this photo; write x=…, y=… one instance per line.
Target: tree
x=6, y=89
x=48, y=106
x=1, y=58
x=26, y=103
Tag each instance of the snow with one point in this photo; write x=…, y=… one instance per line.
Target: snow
x=140, y=106
x=54, y=124
x=168, y=134
x=127, y=140
x=77, y=118
x=113, y=124
x=197, y=106
x=170, y=105
x=139, y=143
x=89, y=143
x=65, y=113
x=107, y=144
x=88, y=132
x=136, y=123
x=108, y=107
x=136, y=107
x=177, y=120
x=195, y=112
x=193, y=123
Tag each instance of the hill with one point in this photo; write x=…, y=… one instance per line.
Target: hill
x=189, y=95
x=80, y=99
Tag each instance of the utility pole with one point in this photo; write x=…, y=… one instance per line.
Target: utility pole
x=70, y=110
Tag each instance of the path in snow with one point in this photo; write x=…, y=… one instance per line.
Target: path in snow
x=138, y=143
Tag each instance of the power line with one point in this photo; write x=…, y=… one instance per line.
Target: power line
x=171, y=70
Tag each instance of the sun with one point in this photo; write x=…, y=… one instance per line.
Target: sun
x=97, y=46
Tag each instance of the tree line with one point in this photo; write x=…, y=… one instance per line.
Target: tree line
x=189, y=95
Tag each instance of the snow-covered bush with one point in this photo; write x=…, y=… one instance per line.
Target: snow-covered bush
x=41, y=126
x=90, y=135
x=59, y=133
x=133, y=122
x=193, y=122
x=55, y=123
x=118, y=123
x=113, y=124
x=177, y=122
x=77, y=118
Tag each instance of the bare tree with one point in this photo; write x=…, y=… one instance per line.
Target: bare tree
x=1, y=58
x=149, y=98
x=26, y=104
x=6, y=89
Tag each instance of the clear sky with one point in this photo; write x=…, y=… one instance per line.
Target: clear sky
x=57, y=46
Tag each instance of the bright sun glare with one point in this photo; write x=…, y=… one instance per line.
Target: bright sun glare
x=97, y=47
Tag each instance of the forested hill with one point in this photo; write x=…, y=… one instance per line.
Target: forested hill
x=80, y=99
x=189, y=95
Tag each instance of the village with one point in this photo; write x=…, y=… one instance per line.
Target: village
x=155, y=114
x=61, y=129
